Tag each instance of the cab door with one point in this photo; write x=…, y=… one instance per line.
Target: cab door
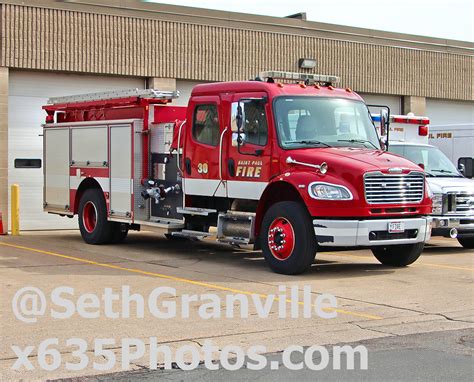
x=202, y=146
x=248, y=158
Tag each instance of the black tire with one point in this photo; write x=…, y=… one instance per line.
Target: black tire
x=119, y=233
x=296, y=255
x=98, y=230
x=398, y=255
x=466, y=242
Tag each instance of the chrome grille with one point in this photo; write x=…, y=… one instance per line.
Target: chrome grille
x=465, y=204
x=461, y=203
x=394, y=188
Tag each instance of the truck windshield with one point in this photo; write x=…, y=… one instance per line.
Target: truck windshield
x=431, y=158
x=324, y=122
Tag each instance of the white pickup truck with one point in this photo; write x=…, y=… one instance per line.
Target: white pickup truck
x=453, y=193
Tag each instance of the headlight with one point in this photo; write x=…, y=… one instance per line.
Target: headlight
x=327, y=191
x=428, y=190
x=437, y=204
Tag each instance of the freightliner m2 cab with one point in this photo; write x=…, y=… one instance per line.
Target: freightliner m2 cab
x=286, y=167
x=453, y=193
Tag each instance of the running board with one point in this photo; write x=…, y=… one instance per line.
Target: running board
x=195, y=211
x=191, y=234
x=162, y=224
x=234, y=240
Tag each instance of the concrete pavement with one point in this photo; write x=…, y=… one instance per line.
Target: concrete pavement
x=374, y=301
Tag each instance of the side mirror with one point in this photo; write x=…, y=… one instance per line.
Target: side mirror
x=238, y=120
x=383, y=122
x=466, y=166
x=238, y=139
x=384, y=128
x=238, y=117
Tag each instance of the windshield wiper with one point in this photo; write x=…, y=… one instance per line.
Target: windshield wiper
x=309, y=142
x=359, y=141
x=447, y=172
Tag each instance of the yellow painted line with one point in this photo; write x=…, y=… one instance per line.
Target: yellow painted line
x=342, y=254
x=179, y=279
x=415, y=264
x=446, y=266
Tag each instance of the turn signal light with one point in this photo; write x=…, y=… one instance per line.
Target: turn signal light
x=423, y=131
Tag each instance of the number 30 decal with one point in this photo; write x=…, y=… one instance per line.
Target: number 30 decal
x=203, y=168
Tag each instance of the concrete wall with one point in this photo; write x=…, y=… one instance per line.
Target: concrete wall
x=415, y=105
x=4, y=145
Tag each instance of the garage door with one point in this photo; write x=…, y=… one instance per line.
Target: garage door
x=442, y=112
x=28, y=91
x=185, y=88
x=393, y=102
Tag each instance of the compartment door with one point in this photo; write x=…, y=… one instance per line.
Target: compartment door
x=121, y=181
x=56, y=169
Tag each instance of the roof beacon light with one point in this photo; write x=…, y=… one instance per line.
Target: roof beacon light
x=410, y=119
x=306, y=78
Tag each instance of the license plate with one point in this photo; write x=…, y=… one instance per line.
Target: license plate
x=396, y=227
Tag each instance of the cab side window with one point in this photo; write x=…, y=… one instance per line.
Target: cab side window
x=255, y=127
x=206, y=124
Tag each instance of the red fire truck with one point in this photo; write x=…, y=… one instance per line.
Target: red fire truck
x=287, y=162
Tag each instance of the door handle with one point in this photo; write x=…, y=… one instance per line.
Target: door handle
x=187, y=165
x=231, y=167
x=220, y=153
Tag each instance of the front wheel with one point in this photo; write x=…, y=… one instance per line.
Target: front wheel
x=398, y=255
x=466, y=242
x=287, y=238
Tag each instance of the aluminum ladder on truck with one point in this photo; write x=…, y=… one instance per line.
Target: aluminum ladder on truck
x=115, y=94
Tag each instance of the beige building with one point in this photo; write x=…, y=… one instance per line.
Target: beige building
x=50, y=48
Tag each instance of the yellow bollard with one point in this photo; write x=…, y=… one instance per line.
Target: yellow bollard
x=15, y=209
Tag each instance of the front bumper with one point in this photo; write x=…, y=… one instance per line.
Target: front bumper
x=459, y=222
x=442, y=225
x=369, y=233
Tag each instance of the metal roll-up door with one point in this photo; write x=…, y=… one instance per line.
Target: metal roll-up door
x=28, y=92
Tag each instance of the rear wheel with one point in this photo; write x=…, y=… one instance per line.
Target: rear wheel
x=287, y=238
x=466, y=242
x=398, y=255
x=93, y=223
